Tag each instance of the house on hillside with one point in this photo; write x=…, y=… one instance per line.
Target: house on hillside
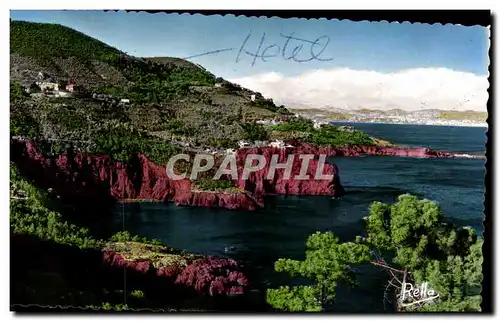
x=252, y=97
x=317, y=124
x=263, y=122
x=72, y=87
x=277, y=144
x=125, y=101
x=48, y=85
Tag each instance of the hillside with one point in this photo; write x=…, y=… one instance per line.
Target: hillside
x=92, y=97
x=464, y=115
x=164, y=99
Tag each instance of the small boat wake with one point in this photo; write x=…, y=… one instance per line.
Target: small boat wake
x=466, y=155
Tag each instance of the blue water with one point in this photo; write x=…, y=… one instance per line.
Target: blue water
x=259, y=238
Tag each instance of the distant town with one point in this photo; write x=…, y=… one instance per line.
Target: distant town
x=398, y=116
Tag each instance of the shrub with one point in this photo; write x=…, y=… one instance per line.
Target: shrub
x=255, y=132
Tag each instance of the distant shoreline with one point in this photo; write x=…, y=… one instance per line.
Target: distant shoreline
x=417, y=124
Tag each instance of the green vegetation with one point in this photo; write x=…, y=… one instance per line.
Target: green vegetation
x=418, y=241
x=68, y=117
x=327, y=263
x=155, y=82
x=255, y=132
x=171, y=97
x=44, y=42
x=29, y=215
x=325, y=113
x=137, y=294
x=124, y=236
x=23, y=124
x=463, y=115
x=17, y=93
x=367, y=110
x=268, y=104
x=298, y=124
x=220, y=185
x=331, y=135
x=222, y=142
x=122, y=143
x=325, y=135
x=115, y=307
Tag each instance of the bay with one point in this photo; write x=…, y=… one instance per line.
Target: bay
x=258, y=239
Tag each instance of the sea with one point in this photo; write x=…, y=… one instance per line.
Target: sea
x=257, y=239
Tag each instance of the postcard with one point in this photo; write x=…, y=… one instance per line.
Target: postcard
x=214, y=163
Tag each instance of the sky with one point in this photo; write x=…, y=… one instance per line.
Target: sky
x=309, y=63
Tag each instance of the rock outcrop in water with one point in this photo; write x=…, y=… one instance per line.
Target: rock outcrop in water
x=357, y=151
x=98, y=177
x=72, y=275
x=259, y=184
x=208, y=276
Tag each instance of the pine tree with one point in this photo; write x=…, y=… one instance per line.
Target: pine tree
x=420, y=246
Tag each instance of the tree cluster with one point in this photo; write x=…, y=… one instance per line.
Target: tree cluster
x=420, y=246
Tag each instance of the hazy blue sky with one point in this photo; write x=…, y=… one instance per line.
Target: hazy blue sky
x=381, y=46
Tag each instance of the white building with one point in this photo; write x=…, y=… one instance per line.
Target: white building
x=263, y=122
x=243, y=143
x=318, y=124
x=277, y=144
x=252, y=97
x=218, y=85
x=268, y=122
x=45, y=85
x=125, y=101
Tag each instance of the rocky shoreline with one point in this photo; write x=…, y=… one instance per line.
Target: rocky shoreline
x=98, y=177
x=165, y=274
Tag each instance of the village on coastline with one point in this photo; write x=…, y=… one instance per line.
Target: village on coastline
x=397, y=116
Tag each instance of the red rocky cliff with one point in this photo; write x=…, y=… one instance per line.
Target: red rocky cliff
x=93, y=177
x=259, y=184
x=355, y=151
x=97, y=177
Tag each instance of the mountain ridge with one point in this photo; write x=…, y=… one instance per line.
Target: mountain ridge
x=168, y=98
